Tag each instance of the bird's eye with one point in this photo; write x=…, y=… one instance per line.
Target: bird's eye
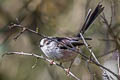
x=48, y=42
x=45, y=41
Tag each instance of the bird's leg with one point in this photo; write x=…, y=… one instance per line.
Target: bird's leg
x=60, y=64
x=51, y=63
x=90, y=58
x=68, y=70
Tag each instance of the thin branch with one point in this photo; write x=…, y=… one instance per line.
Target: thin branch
x=112, y=40
x=92, y=74
x=110, y=30
x=92, y=53
x=112, y=13
x=34, y=65
x=73, y=49
x=25, y=29
x=118, y=61
x=105, y=21
x=41, y=57
x=107, y=53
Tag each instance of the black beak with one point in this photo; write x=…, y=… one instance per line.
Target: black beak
x=41, y=46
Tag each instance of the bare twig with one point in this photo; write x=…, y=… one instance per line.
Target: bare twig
x=112, y=14
x=118, y=61
x=73, y=49
x=25, y=29
x=110, y=30
x=90, y=71
x=109, y=52
x=92, y=53
x=34, y=65
x=112, y=40
x=41, y=57
x=105, y=21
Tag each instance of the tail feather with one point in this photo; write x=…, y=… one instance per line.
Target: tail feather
x=91, y=16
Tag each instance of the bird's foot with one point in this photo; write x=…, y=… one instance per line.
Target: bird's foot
x=67, y=71
x=51, y=63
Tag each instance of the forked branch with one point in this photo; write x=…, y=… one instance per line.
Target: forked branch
x=41, y=57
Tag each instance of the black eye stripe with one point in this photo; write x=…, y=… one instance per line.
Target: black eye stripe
x=48, y=42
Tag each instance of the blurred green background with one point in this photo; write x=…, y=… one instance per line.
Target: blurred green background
x=52, y=18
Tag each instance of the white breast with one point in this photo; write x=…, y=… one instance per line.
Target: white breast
x=52, y=51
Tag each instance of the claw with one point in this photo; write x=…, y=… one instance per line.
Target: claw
x=90, y=58
x=51, y=63
x=67, y=71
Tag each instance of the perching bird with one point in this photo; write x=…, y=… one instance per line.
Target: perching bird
x=53, y=49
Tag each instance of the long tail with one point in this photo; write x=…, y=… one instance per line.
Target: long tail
x=91, y=16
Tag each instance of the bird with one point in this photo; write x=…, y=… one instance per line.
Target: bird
x=54, y=49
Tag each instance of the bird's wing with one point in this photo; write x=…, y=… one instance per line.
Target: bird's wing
x=70, y=42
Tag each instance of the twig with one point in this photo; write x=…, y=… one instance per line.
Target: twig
x=110, y=30
x=112, y=40
x=92, y=74
x=34, y=65
x=24, y=29
x=41, y=57
x=73, y=49
x=109, y=52
x=92, y=53
x=118, y=61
